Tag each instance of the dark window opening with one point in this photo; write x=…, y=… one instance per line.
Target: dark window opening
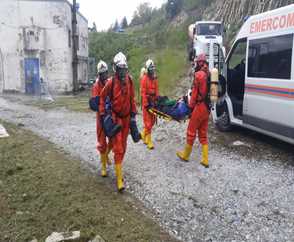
x=209, y=29
x=270, y=57
x=236, y=75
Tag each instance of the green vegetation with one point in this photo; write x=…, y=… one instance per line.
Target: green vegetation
x=155, y=39
x=156, y=34
x=43, y=191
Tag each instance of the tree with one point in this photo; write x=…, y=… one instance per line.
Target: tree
x=124, y=23
x=142, y=15
x=173, y=7
x=116, y=26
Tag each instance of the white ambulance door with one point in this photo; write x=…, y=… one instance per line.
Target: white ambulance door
x=269, y=85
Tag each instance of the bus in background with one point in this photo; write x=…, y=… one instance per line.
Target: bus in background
x=257, y=91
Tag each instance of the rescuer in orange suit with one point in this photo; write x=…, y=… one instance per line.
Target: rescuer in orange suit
x=103, y=144
x=120, y=89
x=199, y=112
x=149, y=94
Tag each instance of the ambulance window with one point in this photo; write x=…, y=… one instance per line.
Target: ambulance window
x=238, y=55
x=270, y=57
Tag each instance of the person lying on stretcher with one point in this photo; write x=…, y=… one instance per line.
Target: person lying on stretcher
x=176, y=109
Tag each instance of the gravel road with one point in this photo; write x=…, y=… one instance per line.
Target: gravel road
x=247, y=194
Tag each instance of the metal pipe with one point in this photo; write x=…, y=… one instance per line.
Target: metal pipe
x=75, y=39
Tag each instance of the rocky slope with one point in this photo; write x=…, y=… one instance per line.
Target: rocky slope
x=234, y=11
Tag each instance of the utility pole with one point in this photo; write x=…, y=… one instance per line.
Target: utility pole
x=75, y=38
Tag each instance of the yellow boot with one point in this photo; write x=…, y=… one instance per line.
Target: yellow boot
x=143, y=136
x=119, y=177
x=103, y=165
x=204, y=160
x=150, y=145
x=185, y=154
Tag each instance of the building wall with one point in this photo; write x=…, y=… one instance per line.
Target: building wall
x=39, y=29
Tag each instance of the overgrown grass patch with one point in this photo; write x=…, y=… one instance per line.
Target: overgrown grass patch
x=42, y=190
x=76, y=103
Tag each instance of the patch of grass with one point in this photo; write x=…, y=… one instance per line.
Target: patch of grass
x=171, y=66
x=42, y=191
x=78, y=103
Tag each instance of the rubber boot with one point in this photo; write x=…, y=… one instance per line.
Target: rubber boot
x=143, y=135
x=104, y=165
x=150, y=145
x=204, y=160
x=185, y=154
x=119, y=177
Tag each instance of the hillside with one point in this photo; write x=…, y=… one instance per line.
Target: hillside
x=164, y=39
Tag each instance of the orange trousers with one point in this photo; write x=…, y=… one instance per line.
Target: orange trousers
x=119, y=141
x=198, y=124
x=149, y=120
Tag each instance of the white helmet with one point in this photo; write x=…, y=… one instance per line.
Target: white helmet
x=120, y=60
x=149, y=64
x=102, y=67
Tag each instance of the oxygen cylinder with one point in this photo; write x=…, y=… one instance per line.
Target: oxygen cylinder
x=214, y=85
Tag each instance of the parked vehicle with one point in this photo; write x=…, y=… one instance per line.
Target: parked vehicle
x=258, y=81
x=206, y=37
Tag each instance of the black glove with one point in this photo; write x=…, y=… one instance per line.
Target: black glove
x=136, y=136
x=185, y=98
x=133, y=115
x=149, y=106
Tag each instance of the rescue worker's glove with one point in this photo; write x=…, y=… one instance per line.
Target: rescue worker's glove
x=149, y=106
x=110, y=128
x=185, y=98
x=136, y=135
x=133, y=115
x=94, y=104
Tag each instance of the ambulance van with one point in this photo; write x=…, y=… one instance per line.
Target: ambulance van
x=257, y=84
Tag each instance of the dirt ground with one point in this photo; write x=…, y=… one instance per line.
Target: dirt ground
x=245, y=195
x=43, y=190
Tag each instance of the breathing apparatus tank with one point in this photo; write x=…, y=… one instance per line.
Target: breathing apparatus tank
x=214, y=85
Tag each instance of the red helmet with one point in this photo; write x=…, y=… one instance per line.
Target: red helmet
x=201, y=57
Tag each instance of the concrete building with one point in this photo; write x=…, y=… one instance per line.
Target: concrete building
x=36, y=45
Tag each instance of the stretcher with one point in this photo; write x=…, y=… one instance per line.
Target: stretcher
x=160, y=114
x=177, y=112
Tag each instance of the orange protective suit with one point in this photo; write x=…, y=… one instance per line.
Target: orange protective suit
x=103, y=145
x=149, y=93
x=122, y=98
x=200, y=112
